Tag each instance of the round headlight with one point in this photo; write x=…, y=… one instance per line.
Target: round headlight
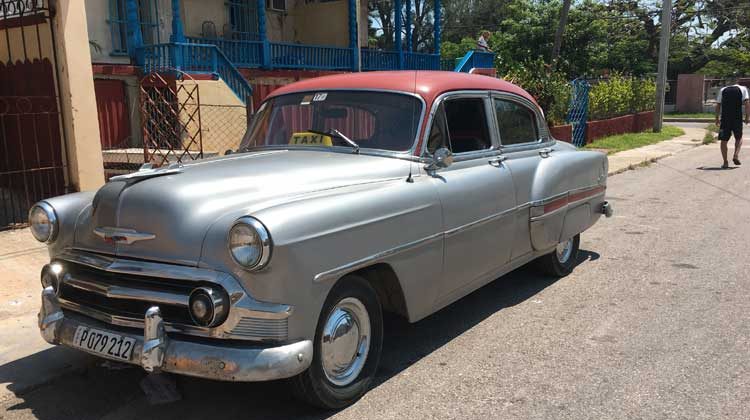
x=43, y=222
x=250, y=243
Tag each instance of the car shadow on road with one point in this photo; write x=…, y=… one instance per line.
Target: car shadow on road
x=98, y=391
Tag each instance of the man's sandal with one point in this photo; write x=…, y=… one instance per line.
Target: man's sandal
x=736, y=161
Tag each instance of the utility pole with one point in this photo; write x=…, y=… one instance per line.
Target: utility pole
x=661, y=78
x=560, y=30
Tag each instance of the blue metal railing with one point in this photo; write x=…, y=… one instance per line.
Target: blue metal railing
x=421, y=61
x=241, y=53
x=297, y=56
x=475, y=60
x=194, y=58
x=379, y=60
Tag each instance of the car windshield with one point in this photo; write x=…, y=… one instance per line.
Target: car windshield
x=371, y=120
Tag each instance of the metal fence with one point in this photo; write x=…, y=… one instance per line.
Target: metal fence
x=222, y=128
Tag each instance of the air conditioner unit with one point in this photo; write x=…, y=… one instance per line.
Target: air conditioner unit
x=279, y=5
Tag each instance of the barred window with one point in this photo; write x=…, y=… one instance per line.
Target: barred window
x=148, y=14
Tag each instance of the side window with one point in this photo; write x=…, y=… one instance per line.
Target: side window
x=438, y=136
x=517, y=124
x=467, y=125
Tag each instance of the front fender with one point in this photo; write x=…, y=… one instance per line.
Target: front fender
x=322, y=236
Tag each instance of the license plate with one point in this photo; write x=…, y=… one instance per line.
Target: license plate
x=104, y=343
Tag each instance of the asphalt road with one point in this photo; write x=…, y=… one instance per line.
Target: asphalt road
x=654, y=323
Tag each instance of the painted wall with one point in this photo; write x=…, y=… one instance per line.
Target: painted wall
x=327, y=23
x=223, y=117
x=100, y=30
x=195, y=12
x=77, y=96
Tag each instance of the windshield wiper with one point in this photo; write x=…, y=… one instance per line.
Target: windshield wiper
x=339, y=134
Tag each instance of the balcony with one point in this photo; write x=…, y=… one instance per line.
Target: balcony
x=251, y=54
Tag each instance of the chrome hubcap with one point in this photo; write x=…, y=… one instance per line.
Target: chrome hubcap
x=345, y=341
x=564, y=251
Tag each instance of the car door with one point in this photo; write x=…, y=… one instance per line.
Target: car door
x=518, y=125
x=476, y=193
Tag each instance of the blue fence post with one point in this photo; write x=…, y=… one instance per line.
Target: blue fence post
x=354, y=34
x=265, y=48
x=397, y=34
x=409, y=45
x=436, y=24
x=135, y=37
x=178, y=34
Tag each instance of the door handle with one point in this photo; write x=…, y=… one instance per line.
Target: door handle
x=497, y=161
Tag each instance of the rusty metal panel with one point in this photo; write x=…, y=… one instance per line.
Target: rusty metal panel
x=112, y=107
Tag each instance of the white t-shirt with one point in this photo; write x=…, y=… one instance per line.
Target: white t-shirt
x=743, y=89
x=482, y=44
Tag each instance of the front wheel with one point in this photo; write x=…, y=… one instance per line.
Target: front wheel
x=562, y=259
x=348, y=342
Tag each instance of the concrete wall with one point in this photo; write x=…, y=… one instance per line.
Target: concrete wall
x=77, y=98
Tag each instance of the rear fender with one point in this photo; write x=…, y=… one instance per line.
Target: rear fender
x=567, y=196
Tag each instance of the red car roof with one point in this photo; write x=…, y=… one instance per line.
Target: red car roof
x=427, y=84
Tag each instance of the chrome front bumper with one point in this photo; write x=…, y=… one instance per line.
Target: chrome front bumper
x=155, y=351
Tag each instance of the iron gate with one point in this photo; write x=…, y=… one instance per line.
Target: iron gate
x=579, y=110
x=32, y=152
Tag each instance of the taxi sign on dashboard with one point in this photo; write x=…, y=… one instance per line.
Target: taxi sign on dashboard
x=311, y=139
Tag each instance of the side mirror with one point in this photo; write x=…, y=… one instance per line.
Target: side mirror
x=442, y=158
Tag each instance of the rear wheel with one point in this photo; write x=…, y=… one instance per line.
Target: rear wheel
x=562, y=259
x=348, y=342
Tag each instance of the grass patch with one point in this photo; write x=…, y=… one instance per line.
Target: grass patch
x=712, y=128
x=693, y=115
x=618, y=143
x=708, y=138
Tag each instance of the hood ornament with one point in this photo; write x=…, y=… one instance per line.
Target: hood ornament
x=122, y=235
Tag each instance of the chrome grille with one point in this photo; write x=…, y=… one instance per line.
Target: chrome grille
x=124, y=296
x=272, y=329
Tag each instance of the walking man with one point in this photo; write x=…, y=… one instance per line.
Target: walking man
x=729, y=118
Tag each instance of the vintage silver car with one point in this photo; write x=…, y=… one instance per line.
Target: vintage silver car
x=351, y=195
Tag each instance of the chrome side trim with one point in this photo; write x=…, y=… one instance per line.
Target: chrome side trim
x=121, y=292
x=364, y=262
x=567, y=206
x=484, y=220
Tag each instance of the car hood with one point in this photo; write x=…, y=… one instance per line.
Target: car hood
x=169, y=211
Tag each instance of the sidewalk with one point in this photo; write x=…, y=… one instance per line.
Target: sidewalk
x=629, y=159
x=21, y=347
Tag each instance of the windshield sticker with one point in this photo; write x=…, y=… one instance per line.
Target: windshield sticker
x=320, y=97
x=306, y=100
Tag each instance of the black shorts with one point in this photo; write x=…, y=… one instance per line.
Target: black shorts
x=728, y=128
